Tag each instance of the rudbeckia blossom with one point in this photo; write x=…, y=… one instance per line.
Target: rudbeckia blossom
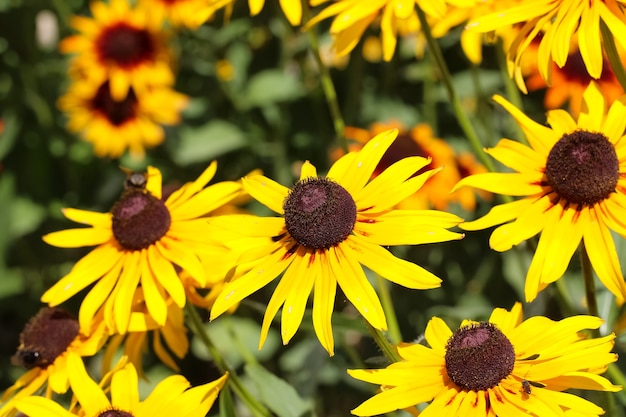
x=421, y=141
x=45, y=344
x=503, y=366
x=123, y=45
x=329, y=227
x=572, y=180
x=142, y=241
x=171, y=397
x=353, y=17
x=112, y=126
x=557, y=22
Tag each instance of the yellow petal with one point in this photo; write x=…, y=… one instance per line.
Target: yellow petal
x=266, y=191
x=323, y=305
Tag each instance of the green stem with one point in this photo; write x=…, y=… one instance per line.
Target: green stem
x=256, y=408
x=390, y=313
x=461, y=115
x=611, y=52
x=383, y=343
x=617, y=376
x=327, y=86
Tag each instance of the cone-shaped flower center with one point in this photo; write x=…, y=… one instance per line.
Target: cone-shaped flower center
x=113, y=412
x=139, y=219
x=45, y=337
x=116, y=112
x=319, y=213
x=479, y=356
x=125, y=45
x=583, y=168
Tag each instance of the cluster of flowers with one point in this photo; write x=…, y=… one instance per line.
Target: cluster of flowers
x=155, y=252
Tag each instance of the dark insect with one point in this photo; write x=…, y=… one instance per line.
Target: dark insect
x=29, y=359
x=526, y=387
x=135, y=181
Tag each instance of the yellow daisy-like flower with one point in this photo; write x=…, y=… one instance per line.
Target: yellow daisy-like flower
x=189, y=13
x=330, y=226
x=142, y=241
x=420, y=141
x=504, y=367
x=573, y=180
x=133, y=123
x=557, y=22
x=45, y=344
x=171, y=397
x=123, y=45
x=352, y=17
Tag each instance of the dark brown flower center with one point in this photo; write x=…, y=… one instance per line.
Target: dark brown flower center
x=116, y=112
x=479, y=356
x=125, y=45
x=319, y=213
x=113, y=412
x=583, y=168
x=139, y=219
x=403, y=147
x=45, y=337
x=576, y=71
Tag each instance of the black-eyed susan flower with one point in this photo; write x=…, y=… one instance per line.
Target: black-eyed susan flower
x=330, y=226
x=503, y=366
x=142, y=241
x=188, y=13
x=120, y=44
x=556, y=22
x=133, y=123
x=171, y=397
x=421, y=141
x=397, y=17
x=572, y=180
x=45, y=344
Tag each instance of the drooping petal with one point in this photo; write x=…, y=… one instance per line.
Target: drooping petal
x=323, y=304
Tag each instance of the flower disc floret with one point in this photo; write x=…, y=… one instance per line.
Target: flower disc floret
x=116, y=112
x=115, y=413
x=582, y=167
x=479, y=356
x=319, y=213
x=139, y=220
x=125, y=45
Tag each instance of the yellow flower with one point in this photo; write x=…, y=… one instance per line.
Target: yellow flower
x=573, y=180
x=397, y=17
x=171, y=397
x=45, y=344
x=123, y=45
x=504, y=366
x=420, y=141
x=143, y=240
x=557, y=22
x=133, y=123
x=329, y=227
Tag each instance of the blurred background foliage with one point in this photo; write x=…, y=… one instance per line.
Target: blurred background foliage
x=256, y=103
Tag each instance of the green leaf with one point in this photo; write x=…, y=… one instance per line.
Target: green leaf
x=278, y=395
x=207, y=142
x=227, y=405
x=272, y=86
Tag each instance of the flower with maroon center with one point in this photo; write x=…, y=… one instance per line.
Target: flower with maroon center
x=330, y=226
x=142, y=241
x=173, y=396
x=504, y=366
x=124, y=45
x=45, y=343
x=573, y=182
x=133, y=123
